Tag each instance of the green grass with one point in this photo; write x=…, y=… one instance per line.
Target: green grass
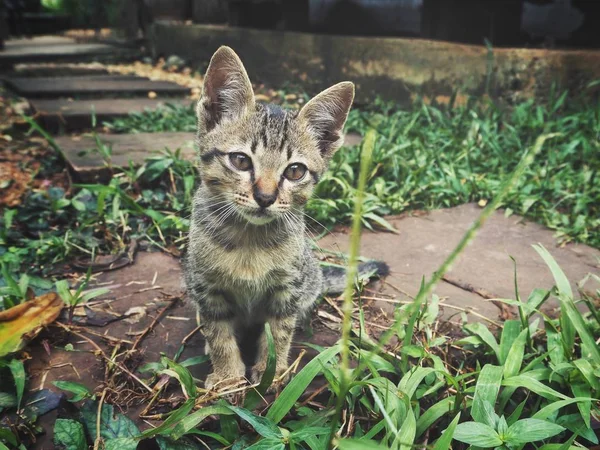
x=430, y=157
x=523, y=386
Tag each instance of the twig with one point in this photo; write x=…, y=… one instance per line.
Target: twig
x=98, y=440
x=506, y=312
x=173, y=300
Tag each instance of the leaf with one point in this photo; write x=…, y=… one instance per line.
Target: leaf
x=263, y=425
x=443, y=443
x=550, y=409
x=78, y=389
x=295, y=388
x=514, y=358
x=267, y=444
x=166, y=443
x=587, y=371
x=433, y=413
x=486, y=336
x=486, y=391
x=27, y=319
x=534, y=386
x=359, y=444
x=18, y=373
x=173, y=421
x=69, y=435
x=581, y=390
x=189, y=422
x=406, y=434
x=411, y=380
x=561, y=280
x=121, y=444
x=511, y=330
x=182, y=375
x=112, y=425
x=254, y=396
x=477, y=434
x=589, y=347
x=7, y=400
x=531, y=430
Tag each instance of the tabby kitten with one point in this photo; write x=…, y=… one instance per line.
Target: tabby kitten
x=248, y=260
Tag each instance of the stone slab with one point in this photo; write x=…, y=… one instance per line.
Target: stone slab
x=92, y=85
x=61, y=114
x=54, y=48
x=89, y=166
x=424, y=241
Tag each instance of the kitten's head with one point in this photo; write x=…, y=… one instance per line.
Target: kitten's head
x=263, y=159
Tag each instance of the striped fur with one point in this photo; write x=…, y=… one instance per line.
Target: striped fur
x=248, y=265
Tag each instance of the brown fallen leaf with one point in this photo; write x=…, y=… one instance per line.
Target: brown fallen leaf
x=23, y=322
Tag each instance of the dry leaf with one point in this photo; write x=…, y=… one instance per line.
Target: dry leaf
x=23, y=322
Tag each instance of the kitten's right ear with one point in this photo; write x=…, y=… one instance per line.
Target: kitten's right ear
x=227, y=92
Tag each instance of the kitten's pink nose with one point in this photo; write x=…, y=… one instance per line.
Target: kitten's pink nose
x=265, y=193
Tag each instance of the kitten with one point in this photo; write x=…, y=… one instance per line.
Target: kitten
x=248, y=260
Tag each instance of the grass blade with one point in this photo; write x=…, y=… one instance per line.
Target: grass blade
x=486, y=391
x=292, y=392
x=443, y=443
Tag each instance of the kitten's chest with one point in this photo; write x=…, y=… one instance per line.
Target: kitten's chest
x=249, y=264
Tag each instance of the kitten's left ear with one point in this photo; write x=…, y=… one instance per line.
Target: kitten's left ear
x=226, y=92
x=326, y=115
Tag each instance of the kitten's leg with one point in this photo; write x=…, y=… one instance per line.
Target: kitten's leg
x=228, y=367
x=282, y=329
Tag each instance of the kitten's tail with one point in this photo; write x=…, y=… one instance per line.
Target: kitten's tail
x=334, y=277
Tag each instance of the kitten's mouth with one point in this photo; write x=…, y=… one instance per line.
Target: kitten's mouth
x=258, y=216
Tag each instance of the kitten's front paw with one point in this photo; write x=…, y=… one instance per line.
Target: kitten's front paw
x=224, y=386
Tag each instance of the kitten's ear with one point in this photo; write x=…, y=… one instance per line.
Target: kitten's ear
x=227, y=92
x=326, y=115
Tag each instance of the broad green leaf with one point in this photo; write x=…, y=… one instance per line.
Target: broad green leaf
x=302, y=433
x=254, y=396
x=174, y=420
x=267, y=444
x=443, y=443
x=359, y=444
x=17, y=371
x=406, y=434
x=121, y=444
x=550, y=409
x=217, y=437
x=295, y=388
x=189, y=422
x=516, y=414
x=486, y=336
x=79, y=390
x=510, y=331
x=477, y=434
x=514, y=358
x=486, y=391
x=589, y=347
x=69, y=435
x=112, y=425
x=433, y=413
x=581, y=390
x=182, y=375
x=195, y=360
x=531, y=430
x=561, y=280
x=411, y=380
x=534, y=386
x=555, y=346
x=7, y=400
x=166, y=443
x=263, y=425
x=587, y=371
x=7, y=436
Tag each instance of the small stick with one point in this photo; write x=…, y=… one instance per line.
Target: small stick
x=154, y=322
x=98, y=440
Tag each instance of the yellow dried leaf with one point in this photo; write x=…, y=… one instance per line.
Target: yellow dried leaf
x=23, y=322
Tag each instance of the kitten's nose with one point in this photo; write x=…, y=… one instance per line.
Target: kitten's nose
x=264, y=199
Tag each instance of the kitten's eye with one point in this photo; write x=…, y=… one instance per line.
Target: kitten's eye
x=240, y=161
x=295, y=172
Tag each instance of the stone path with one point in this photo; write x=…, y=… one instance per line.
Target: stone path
x=425, y=240
x=71, y=115
x=90, y=166
x=56, y=48
x=93, y=85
